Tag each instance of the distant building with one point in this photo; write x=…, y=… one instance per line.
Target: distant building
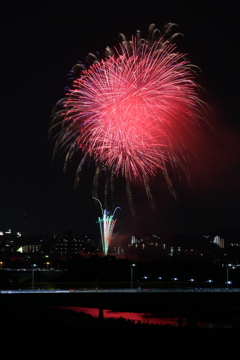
x=31, y=246
x=219, y=241
x=118, y=250
x=68, y=246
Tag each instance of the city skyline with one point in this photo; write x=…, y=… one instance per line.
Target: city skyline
x=35, y=63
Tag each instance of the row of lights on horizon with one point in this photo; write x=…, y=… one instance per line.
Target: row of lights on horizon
x=191, y=280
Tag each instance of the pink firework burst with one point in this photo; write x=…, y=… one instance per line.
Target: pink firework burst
x=132, y=111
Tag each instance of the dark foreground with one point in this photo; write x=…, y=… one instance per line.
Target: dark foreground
x=39, y=332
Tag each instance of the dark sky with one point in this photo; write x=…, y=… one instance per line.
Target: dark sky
x=40, y=44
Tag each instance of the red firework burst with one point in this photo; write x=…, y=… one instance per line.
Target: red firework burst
x=133, y=110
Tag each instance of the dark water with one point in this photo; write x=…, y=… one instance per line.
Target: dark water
x=54, y=332
x=147, y=318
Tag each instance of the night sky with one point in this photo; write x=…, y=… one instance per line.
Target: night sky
x=39, y=45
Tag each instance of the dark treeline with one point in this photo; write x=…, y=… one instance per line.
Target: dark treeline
x=103, y=272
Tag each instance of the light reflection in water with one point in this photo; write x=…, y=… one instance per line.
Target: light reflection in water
x=144, y=318
x=135, y=317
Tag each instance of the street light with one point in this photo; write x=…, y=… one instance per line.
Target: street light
x=33, y=275
x=132, y=265
x=231, y=266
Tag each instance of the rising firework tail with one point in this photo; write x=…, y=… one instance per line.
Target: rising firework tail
x=133, y=113
x=106, y=223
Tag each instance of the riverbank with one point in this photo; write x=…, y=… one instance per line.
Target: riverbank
x=39, y=332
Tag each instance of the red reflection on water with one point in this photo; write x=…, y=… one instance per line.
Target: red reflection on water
x=135, y=317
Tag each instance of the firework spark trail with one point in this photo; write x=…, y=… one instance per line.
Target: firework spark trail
x=106, y=227
x=133, y=111
x=107, y=224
